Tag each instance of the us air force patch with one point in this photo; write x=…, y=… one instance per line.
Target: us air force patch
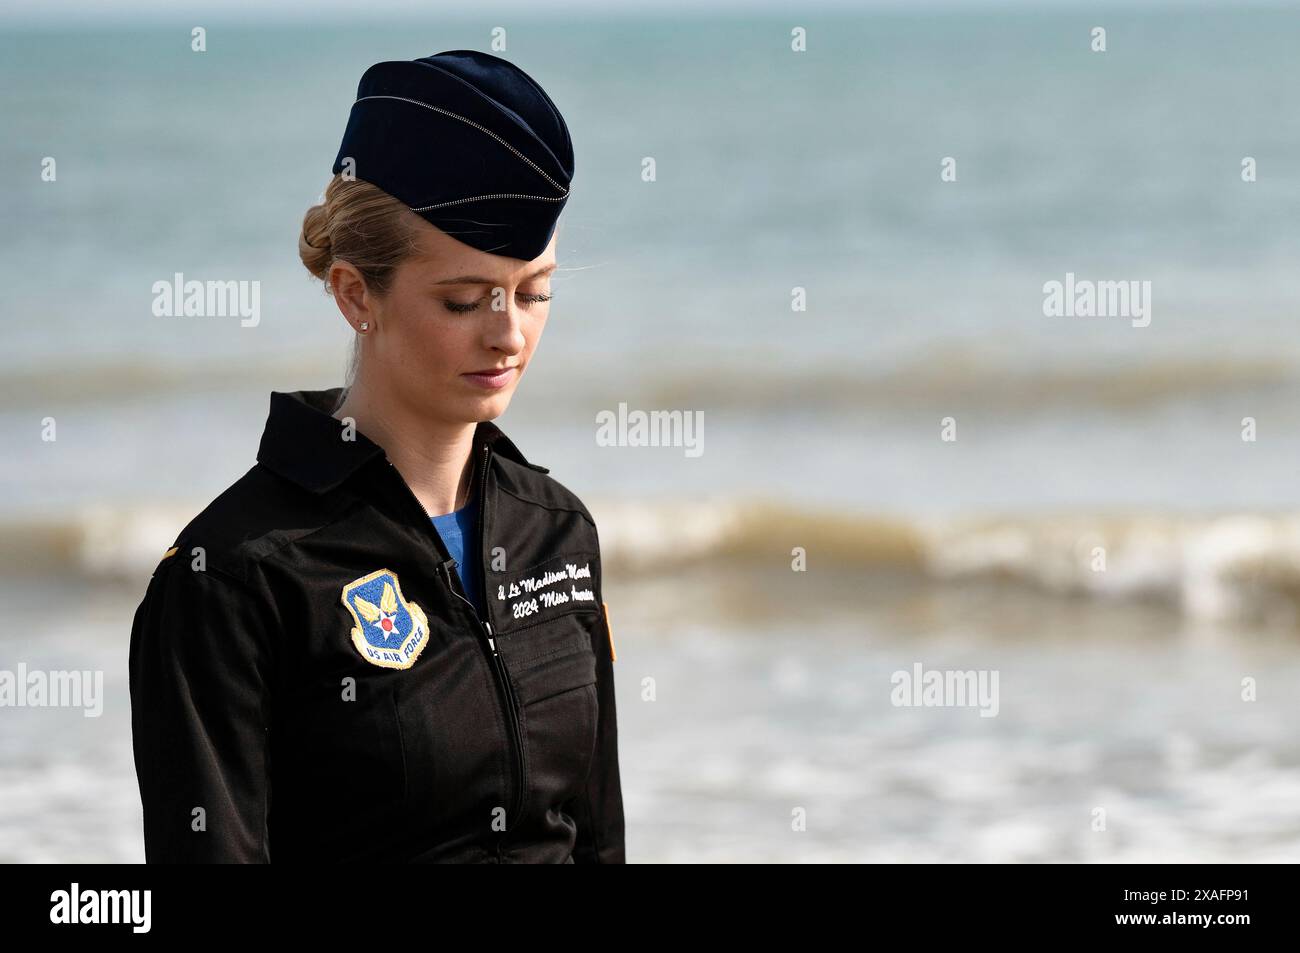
x=389, y=631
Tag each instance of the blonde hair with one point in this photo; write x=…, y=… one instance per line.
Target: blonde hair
x=364, y=226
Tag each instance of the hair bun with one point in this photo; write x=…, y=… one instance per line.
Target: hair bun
x=314, y=244
x=357, y=223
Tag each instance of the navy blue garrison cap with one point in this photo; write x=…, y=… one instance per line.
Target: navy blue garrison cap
x=469, y=142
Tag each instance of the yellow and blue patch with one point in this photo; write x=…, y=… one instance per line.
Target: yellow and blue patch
x=389, y=631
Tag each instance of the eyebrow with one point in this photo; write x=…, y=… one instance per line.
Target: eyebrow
x=479, y=280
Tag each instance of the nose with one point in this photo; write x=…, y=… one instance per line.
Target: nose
x=504, y=330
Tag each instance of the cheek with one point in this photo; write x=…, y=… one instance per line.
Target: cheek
x=432, y=341
x=533, y=331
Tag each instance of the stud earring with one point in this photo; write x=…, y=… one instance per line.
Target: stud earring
x=365, y=326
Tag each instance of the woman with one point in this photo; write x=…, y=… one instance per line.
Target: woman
x=387, y=640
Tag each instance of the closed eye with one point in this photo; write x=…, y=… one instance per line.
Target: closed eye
x=460, y=308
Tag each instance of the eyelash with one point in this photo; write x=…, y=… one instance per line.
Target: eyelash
x=459, y=308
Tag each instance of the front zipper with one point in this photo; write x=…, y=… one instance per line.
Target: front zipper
x=499, y=664
x=517, y=806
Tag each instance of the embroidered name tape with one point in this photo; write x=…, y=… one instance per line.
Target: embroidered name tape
x=555, y=586
x=389, y=631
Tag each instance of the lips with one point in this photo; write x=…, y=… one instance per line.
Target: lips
x=494, y=378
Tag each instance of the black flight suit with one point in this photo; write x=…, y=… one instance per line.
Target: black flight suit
x=322, y=689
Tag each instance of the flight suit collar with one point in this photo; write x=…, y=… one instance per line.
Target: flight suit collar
x=301, y=441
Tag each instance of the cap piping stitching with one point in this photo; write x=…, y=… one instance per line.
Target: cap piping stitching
x=536, y=168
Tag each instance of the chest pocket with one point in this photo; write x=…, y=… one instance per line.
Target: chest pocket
x=553, y=672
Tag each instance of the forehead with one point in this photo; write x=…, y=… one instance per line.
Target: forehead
x=440, y=257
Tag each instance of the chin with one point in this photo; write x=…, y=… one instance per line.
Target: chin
x=490, y=406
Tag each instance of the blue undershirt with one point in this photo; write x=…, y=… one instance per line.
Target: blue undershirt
x=458, y=532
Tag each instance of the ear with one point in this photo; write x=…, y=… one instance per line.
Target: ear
x=353, y=298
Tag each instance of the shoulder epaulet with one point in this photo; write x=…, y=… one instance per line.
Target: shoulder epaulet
x=610, y=631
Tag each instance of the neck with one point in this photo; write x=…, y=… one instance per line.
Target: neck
x=433, y=456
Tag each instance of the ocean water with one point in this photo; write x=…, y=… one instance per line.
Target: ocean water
x=775, y=170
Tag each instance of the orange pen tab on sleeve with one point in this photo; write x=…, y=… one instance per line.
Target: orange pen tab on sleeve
x=610, y=630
